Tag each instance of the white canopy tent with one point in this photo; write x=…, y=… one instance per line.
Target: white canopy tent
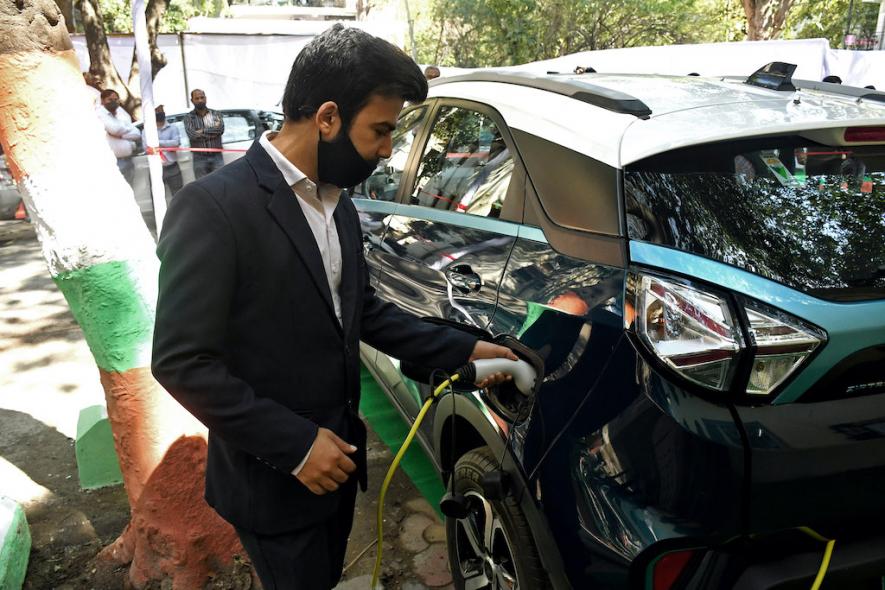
x=250, y=70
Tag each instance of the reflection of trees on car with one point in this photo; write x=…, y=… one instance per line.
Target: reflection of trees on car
x=461, y=144
x=822, y=230
x=384, y=181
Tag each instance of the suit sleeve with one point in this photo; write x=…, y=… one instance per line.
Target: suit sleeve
x=198, y=275
x=404, y=336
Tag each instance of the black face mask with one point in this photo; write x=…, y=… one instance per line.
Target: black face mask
x=112, y=105
x=340, y=164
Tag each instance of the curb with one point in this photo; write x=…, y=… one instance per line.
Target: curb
x=97, y=463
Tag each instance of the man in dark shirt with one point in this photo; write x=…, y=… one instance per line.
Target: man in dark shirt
x=204, y=127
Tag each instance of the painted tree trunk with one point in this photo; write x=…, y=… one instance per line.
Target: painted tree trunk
x=100, y=255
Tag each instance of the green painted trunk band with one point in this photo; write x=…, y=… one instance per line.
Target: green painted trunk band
x=388, y=424
x=106, y=302
x=15, y=544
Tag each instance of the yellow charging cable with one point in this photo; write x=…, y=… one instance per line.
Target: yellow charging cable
x=393, y=466
x=825, y=562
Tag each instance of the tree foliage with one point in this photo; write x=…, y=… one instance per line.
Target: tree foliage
x=117, y=14
x=467, y=33
x=506, y=32
x=828, y=19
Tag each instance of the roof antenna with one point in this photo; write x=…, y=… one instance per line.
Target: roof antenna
x=777, y=75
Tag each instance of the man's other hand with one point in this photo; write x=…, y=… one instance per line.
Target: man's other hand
x=487, y=350
x=328, y=465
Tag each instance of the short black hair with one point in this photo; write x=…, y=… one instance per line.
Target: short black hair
x=107, y=92
x=196, y=90
x=347, y=66
x=832, y=79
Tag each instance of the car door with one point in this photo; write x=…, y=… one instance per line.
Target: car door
x=447, y=244
x=376, y=202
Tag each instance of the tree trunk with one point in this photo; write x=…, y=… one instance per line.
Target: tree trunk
x=153, y=13
x=100, y=63
x=100, y=255
x=66, y=7
x=765, y=18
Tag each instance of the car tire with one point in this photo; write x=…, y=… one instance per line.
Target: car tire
x=499, y=531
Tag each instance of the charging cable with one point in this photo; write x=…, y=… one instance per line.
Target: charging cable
x=393, y=466
x=825, y=562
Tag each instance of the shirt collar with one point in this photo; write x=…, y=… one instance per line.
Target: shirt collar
x=289, y=170
x=293, y=176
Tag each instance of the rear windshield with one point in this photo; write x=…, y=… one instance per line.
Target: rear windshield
x=807, y=215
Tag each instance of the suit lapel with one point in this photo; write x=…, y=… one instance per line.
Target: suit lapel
x=287, y=212
x=347, y=237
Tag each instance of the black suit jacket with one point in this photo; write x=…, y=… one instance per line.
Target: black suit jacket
x=246, y=338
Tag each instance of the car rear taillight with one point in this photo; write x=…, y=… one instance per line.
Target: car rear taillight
x=692, y=331
x=668, y=568
x=782, y=342
x=864, y=134
x=697, y=332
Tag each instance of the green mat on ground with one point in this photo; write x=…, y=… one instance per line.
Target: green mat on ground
x=390, y=427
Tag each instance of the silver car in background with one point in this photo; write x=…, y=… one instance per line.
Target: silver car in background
x=241, y=128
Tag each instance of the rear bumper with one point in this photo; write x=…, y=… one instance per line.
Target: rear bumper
x=820, y=465
x=788, y=561
x=858, y=564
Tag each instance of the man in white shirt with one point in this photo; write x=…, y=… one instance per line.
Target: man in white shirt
x=121, y=133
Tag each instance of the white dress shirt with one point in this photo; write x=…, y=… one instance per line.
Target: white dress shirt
x=318, y=204
x=121, y=133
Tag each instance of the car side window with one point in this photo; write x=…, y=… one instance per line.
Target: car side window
x=237, y=128
x=384, y=181
x=466, y=165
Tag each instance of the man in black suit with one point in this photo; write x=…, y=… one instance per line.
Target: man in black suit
x=264, y=296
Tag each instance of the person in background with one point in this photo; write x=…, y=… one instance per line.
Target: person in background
x=121, y=133
x=204, y=127
x=431, y=72
x=169, y=138
x=93, y=87
x=832, y=80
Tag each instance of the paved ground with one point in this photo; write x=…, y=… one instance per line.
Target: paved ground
x=47, y=375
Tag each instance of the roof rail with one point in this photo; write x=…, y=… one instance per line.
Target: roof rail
x=600, y=96
x=842, y=89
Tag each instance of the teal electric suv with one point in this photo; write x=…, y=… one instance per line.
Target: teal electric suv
x=700, y=263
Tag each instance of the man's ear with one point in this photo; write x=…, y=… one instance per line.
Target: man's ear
x=328, y=120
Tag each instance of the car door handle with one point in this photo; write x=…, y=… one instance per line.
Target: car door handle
x=368, y=246
x=463, y=278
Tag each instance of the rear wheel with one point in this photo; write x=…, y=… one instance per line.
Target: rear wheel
x=492, y=548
